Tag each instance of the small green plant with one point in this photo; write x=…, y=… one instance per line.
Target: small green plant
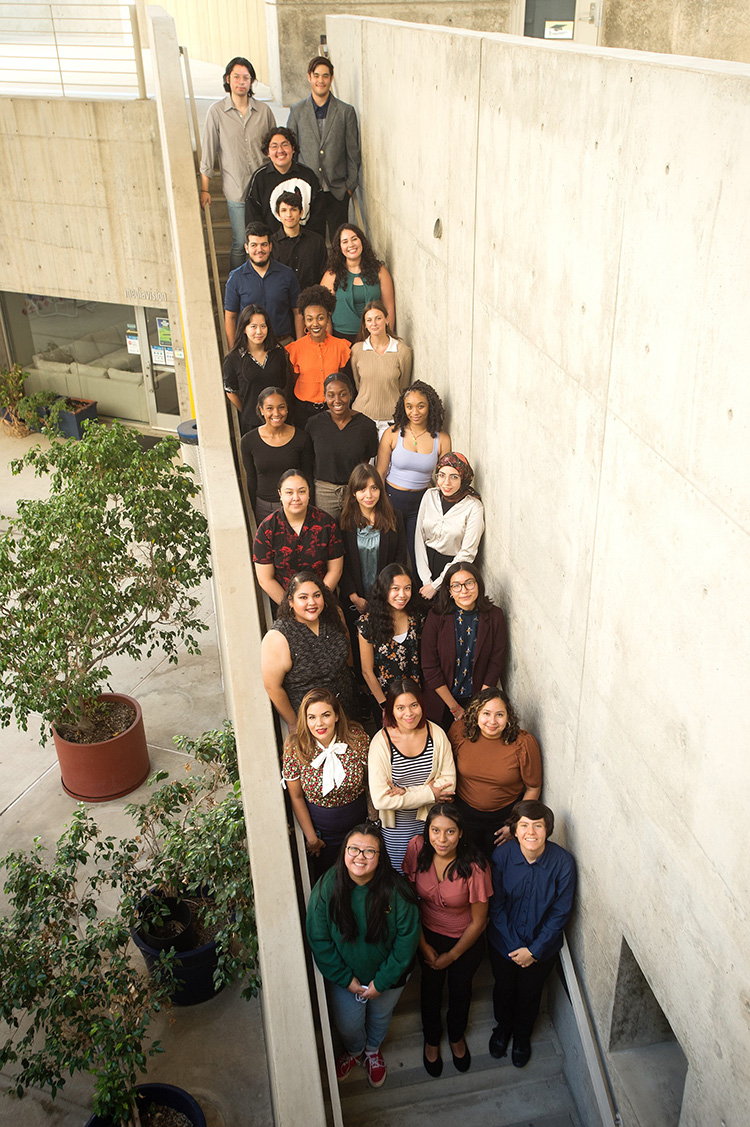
x=72, y=999
x=40, y=411
x=109, y=563
x=12, y=383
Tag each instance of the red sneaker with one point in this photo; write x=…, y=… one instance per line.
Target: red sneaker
x=375, y=1068
x=345, y=1064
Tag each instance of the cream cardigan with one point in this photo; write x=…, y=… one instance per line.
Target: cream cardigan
x=380, y=778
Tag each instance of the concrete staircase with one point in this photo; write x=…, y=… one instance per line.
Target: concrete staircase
x=491, y=1094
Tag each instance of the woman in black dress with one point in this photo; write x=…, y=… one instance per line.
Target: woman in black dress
x=256, y=361
x=272, y=448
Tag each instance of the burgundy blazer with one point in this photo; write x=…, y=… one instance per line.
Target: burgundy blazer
x=439, y=655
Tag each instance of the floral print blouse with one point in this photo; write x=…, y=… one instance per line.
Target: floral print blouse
x=394, y=659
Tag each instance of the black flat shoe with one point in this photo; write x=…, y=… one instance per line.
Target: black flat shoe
x=499, y=1043
x=432, y=1067
x=521, y=1054
x=463, y=1064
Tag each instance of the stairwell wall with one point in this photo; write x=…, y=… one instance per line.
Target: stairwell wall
x=583, y=316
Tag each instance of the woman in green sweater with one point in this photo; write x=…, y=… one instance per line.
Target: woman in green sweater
x=363, y=928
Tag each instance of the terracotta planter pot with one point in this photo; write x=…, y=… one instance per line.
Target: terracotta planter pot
x=110, y=769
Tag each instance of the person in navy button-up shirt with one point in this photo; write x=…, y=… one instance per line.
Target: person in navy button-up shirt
x=263, y=281
x=534, y=884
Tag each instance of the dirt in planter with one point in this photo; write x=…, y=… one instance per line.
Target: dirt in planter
x=160, y=1116
x=111, y=718
x=203, y=933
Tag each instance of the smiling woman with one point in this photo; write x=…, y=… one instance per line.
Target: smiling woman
x=341, y=439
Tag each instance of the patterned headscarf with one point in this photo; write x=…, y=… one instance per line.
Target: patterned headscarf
x=460, y=463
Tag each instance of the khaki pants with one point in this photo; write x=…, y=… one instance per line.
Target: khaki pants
x=329, y=497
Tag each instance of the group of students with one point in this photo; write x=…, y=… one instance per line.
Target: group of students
x=431, y=833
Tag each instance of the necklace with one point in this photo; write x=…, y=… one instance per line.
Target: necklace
x=416, y=437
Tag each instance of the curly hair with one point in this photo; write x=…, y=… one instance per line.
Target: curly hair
x=509, y=734
x=379, y=611
x=288, y=135
x=302, y=741
x=435, y=413
x=369, y=264
x=316, y=295
x=467, y=853
x=351, y=515
x=330, y=613
x=443, y=602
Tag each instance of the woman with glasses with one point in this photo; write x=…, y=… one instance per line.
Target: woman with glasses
x=325, y=771
x=410, y=767
x=450, y=522
x=363, y=928
x=463, y=644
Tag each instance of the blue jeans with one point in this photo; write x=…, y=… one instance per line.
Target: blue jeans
x=361, y=1025
x=237, y=254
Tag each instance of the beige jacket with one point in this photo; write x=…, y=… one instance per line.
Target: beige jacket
x=379, y=772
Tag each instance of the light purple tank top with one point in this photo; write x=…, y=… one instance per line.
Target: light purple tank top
x=409, y=470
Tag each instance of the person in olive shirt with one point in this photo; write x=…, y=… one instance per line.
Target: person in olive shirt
x=363, y=928
x=297, y=247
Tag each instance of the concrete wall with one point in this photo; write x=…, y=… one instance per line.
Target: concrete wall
x=716, y=29
x=295, y=27
x=583, y=315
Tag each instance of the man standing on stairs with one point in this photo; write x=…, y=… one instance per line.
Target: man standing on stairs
x=234, y=130
x=283, y=173
x=263, y=281
x=328, y=137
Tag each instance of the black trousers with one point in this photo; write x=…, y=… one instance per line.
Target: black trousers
x=517, y=994
x=459, y=975
x=331, y=211
x=481, y=825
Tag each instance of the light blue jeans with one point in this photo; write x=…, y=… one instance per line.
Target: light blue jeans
x=237, y=218
x=361, y=1025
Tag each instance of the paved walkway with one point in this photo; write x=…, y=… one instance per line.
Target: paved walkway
x=216, y=1050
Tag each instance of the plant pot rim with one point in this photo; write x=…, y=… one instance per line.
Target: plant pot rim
x=154, y=1089
x=103, y=751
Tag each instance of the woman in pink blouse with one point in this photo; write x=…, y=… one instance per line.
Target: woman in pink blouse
x=453, y=882
x=325, y=770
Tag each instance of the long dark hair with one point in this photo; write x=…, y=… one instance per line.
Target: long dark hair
x=435, y=412
x=397, y=688
x=467, y=854
x=379, y=611
x=383, y=886
x=509, y=734
x=351, y=514
x=240, y=340
x=330, y=613
x=369, y=264
x=444, y=600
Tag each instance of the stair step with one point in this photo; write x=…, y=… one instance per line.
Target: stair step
x=525, y=1103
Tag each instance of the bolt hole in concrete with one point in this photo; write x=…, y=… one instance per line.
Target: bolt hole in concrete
x=437, y=230
x=645, y=1053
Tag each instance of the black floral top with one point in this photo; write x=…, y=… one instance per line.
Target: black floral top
x=465, y=623
x=394, y=659
x=277, y=543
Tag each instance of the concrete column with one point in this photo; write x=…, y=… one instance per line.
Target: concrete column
x=287, y=1013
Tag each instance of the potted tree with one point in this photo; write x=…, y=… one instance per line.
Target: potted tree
x=12, y=381
x=72, y=999
x=108, y=564
x=194, y=855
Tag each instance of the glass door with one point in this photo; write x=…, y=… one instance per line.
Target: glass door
x=157, y=357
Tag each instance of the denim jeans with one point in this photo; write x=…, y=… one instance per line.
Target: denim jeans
x=361, y=1025
x=237, y=218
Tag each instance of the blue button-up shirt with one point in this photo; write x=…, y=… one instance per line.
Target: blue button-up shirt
x=532, y=902
x=277, y=291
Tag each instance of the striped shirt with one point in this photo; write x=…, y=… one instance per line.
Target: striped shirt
x=406, y=772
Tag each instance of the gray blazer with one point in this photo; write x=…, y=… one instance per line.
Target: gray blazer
x=336, y=156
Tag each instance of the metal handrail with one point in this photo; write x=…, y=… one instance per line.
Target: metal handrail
x=603, y=1094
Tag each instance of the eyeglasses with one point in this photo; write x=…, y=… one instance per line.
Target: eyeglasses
x=368, y=853
x=469, y=585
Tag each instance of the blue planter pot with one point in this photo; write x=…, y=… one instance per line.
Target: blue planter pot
x=167, y=1095
x=194, y=970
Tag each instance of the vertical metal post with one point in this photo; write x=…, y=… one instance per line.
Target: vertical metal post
x=138, y=52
